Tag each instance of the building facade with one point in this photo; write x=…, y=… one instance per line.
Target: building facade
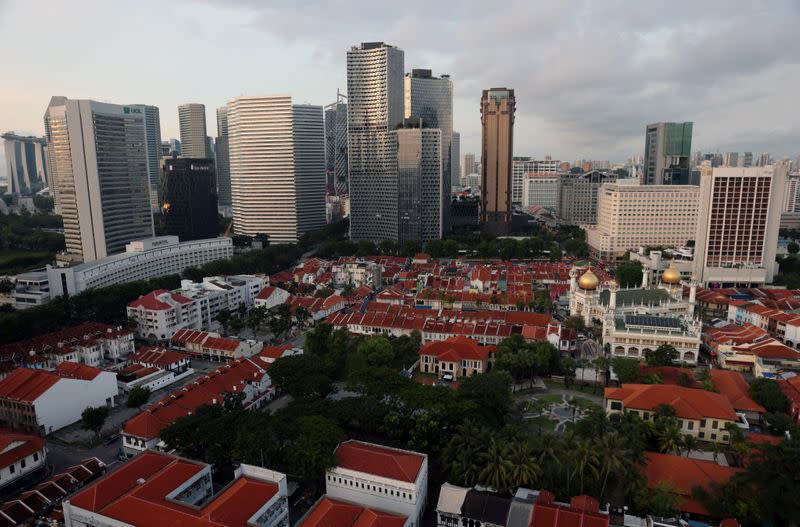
x=738, y=222
x=222, y=159
x=522, y=166
x=308, y=133
x=667, y=149
x=189, y=198
x=497, y=120
x=160, y=313
x=455, y=162
x=26, y=165
x=152, y=151
x=470, y=166
x=630, y=215
x=22, y=455
x=142, y=260
x=97, y=157
x=540, y=189
x=415, y=157
x=192, y=123
x=374, y=107
x=577, y=196
x=336, y=146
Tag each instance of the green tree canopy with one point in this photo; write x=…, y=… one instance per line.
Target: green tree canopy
x=768, y=394
x=629, y=273
x=137, y=396
x=93, y=418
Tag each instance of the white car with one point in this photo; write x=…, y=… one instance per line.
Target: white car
x=447, y=377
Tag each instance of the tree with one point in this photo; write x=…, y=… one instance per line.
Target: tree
x=497, y=468
x=302, y=376
x=777, y=423
x=629, y=273
x=664, y=355
x=312, y=451
x=302, y=314
x=768, y=394
x=224, y=319
x=93, y=418
x=685, y=380
x=576, y=323
x=614, y=458
x=662, y=500
x=525, y=471
x=793, y=248
x=690, y=443
x=491, y=394
x=627, y=369
x=670, y=439
x=585, y=462
x=137, y=396
x=377, y=352
x=770, y=476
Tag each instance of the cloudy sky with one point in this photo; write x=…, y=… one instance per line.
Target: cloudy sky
x=588, y=75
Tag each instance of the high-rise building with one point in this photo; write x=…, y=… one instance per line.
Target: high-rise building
x=336, y=146
x=469, y=166
x=791, y=195
x=455, y=160
x=26, y=165
x=223, y=160
x=540, y=189
x=497, y=119
x=415, y=154
x=189, y=198
x=631, y=215
x=577, y=196
x=152, y=138
x=667, y=148
x=747, y=160
x=171, y=148
x=520, y=166
x=763, y=160
x=277, y=167
x=731, y=159
x=738, y=222
x=374, y=108
x=192, y=122
x=98, y=171
x=431, y=99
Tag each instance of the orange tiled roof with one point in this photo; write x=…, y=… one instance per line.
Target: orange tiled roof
x=328, y=512
x=689, y=403
x=379, y=460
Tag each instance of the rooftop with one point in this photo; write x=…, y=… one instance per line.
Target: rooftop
x=378, y=460
x=328, y=512
x=15, y=446
x=27, y=385
x=689, y=403
x=625, y=297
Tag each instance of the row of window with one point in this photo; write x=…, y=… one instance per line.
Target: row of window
x=373, y=488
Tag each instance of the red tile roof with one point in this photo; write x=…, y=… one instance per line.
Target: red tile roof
x=583, y=511
x=15, y=446
x=182, y=337
x=265, y=293
x=221, y=344
x=684, y=474
x=73, y=370
x=24, y=384
x=379, y=460
x=689, y=403
x=152, y=302
x=734, y=387
x=156, y=356
x=455, y=349
x=59, y=342
x=333, y=513
x=274, y=352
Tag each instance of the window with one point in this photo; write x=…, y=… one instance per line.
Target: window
x=12, y=469
x=616, y=405
x=690, y=425
x=702, y=423
x=22, y=463
x=701, y=435
x=713, y=436
x=35, y=456
x=715, y=425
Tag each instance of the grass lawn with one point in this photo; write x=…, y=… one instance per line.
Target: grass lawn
x=542, y=421
x=576, y=387
x=584, y=404
x=551, y=398
x=13, y=262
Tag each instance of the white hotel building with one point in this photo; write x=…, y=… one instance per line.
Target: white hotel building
x=142, y=259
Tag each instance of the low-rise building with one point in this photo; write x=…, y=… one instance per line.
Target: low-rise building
x=42, y=402
x=211, y=346
x=734, y=388
x=20, y=456
x=327, y=512
x=160, y=489
x=153, y=368
x=357, y=273
x=766, y=357
x=379, y=477
x=635, y=336
x=318, y=308
x=217, y=293
x=271, y=297
x=160, y=313
x=700, y=413
x=31, y=289
x=456, y=357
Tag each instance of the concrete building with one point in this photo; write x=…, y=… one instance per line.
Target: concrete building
x=192, y=122
x=667, y=149
x=271, y=297
x=456, y=357
x=26, y=165
x=731, y=159
x=152, y=150
x=277, y=164
x=415, y=162
x=380, y=477
x=738, y=222
x=98, y=164
x=497, y=120
x=223, y=161
x=577, y=196
x=470, y=166
x=791, y=196
x=336, y=146
x=747, y=159
x=22, y=456
x=357, y=274
x=162, y=489
x=327, y=512
x=142, y=259
x=431, y=99
x=521, y=166
x=630, y=215
x=160, y=313
x=375, y=106
x=42, y=402
x=189, y=198
x=540, y=189
x=455, y=162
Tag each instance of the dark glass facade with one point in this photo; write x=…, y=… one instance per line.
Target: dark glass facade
x=189, y=198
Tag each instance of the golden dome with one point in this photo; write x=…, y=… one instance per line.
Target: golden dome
x=671, y=275
x=588, y=280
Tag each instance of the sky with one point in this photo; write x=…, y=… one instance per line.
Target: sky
x=588, y=75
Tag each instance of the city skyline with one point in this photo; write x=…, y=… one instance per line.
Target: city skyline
x=572, y=103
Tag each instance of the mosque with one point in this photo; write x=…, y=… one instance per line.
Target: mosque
x=638, y=320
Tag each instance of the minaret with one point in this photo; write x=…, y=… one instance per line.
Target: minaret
x=573, y=282
x=692, y=295
x=645, y=276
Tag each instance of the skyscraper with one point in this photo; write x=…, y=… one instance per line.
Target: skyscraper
x=738, y=222
x=469, y=166
x=747, y=161
x=374, y=108
x=731, y=159
x=520, y=166
x=455, y=161
x=192, y=122
x=497, y=118
x=763, y=160
x=223, y=160
x=336, y=146
x=667, y=148
x=416, y=163
x=152, y=138
x=431, y=98
x=98, y=172
x=189, y=198
x=277, y=166
x=26, y=166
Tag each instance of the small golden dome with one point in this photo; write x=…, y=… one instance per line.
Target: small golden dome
x=671, y=275
x=588, y=280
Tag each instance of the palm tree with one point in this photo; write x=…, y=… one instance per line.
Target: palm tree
x=669, y=439
x=613, y=457
x=525, y=471
x=716, y=450
x=689, y=444
x=464, y=469
x=586, y=461
x=496, y=471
